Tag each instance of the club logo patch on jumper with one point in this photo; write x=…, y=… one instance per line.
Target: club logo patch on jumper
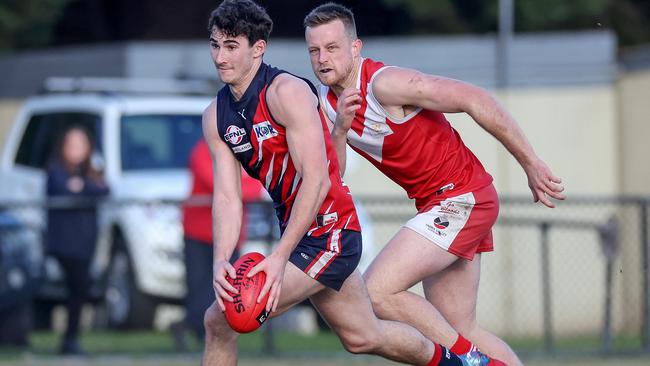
x=234, y=134
x=264, y=131
x=378, y=129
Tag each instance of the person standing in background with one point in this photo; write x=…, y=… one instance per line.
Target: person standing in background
x=197, y=227
x=72, y=226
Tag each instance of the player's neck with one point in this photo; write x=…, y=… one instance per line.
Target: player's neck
x=350, y=81
x=239, y=87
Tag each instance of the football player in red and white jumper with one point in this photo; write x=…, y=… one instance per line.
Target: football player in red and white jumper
x=394, y=118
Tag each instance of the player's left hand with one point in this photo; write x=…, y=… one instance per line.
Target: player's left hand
x=543, y=184
x=273, y=266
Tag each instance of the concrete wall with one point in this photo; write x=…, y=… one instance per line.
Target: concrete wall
x=633, y=89
x=8, y=111
x=634, y=131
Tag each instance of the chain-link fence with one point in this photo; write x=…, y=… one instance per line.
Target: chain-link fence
x=573, y=278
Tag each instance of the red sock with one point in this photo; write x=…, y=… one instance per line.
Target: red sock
x=437, y=354
x=442, y=357
x=461, y=346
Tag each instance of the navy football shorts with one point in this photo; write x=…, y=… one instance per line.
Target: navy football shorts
x=331, y=258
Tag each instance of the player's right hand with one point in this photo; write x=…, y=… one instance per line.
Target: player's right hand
x=543, y=183
x=347, y=105
x=221, y=269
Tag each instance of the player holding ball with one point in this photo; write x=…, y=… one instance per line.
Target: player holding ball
x=269, y=122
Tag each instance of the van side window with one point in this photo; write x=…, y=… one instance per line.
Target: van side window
x=44, y=130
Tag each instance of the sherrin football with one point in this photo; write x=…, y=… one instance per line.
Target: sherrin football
x=244, y=314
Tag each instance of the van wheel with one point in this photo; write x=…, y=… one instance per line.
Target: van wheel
x=126, y=306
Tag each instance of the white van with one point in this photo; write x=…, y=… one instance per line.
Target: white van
x=144, y=132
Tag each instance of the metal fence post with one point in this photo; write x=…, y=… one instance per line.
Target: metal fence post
x=645, y=244
x=609, y=243
x=546, y=288
x=269, y=339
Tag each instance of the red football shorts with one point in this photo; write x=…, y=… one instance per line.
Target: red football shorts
x=461, y=225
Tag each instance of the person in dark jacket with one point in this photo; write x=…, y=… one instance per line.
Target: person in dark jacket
x=73, y=185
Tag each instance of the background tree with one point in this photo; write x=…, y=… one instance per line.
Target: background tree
x=37, y=23
x=28, y=23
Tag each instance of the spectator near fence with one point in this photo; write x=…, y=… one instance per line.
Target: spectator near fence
x=197, y=226
x=72, y=223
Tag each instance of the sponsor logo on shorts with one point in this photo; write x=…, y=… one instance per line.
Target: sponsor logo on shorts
x=449, y=207
x=435, y=231
x=441, y=223
x=240, y=149
x=264, y=131
x=234, y=134
x=305, y=256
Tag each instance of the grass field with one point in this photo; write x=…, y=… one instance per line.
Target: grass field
x=152, y=348
x=337, y=360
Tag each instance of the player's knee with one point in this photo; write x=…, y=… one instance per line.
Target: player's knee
x=380, y=301
x=361, y=343
x=215, y=323
x=379, y=305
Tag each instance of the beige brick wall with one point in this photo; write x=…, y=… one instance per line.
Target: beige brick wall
x=634, y=114
x=8, y=110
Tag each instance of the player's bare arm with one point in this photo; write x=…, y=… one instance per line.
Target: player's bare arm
x=226, y=206
x=294, y=106
x=399, y=90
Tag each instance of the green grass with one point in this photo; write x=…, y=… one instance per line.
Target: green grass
x=578, y=344
x=145, y=345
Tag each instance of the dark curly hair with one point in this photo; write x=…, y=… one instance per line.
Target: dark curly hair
x=241, y=17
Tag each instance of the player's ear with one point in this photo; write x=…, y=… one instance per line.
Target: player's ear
x=259, y=48
x=356, y=47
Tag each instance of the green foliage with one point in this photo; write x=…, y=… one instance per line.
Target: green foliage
x=473, y=15
x=535, y=15
x=630, y=19
x=439, y=16
x=28, y=22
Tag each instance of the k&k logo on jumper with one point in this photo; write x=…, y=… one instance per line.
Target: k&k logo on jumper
x=440, y=223
x=234, y=134
x=264, y=131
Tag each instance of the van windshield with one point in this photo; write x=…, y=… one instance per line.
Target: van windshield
x=158, y=141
